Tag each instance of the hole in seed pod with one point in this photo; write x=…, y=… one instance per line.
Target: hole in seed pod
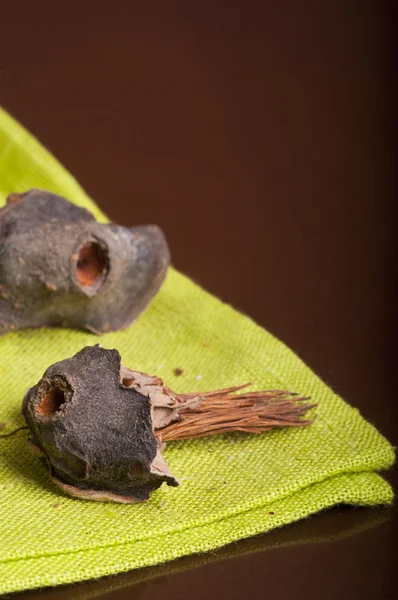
x=51, y=402
x=92, y=264
x=127, y=381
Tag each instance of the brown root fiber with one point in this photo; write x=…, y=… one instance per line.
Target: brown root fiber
x=224, y=411
x=101, y=426
x=59, y=267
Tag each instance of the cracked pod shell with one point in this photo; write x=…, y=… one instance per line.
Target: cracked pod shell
x=96, y=434
x=59, y=267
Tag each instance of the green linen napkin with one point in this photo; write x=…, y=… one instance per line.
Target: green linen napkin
x=231, y=486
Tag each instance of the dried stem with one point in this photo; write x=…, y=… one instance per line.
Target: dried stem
x=5, y=435
x=224, y=411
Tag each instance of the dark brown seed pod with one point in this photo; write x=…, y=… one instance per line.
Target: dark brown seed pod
x=60, y=267
x=96, y=433
x=101, y=426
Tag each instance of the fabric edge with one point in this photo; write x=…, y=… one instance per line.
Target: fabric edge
x=51, y=570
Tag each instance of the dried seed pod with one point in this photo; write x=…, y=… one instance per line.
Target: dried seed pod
x=96, y=434
x=101, y=426
x=59, y=267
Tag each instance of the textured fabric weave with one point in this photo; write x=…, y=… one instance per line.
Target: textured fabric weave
x=231, y=486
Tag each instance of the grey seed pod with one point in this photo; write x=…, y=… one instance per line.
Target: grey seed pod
x=60, y=267
x=101, y=426
x=95, y=433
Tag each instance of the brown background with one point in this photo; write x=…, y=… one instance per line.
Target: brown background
x=260, y=136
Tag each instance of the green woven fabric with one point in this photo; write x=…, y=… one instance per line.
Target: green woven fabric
x=231, y=486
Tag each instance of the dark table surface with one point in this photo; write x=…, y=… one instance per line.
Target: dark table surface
x=260, y=136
